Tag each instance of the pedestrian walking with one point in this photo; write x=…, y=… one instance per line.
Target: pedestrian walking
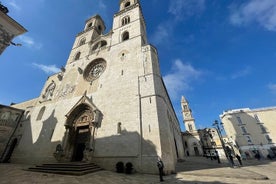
x=239, y=159
x=217, y=155
x=231, y=160
x=160, y=166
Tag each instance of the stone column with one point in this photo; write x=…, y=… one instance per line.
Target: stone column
x=65, y=140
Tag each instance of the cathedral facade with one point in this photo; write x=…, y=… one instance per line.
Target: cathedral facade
x=108, y=104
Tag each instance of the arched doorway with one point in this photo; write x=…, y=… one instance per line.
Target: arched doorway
x=79, y=132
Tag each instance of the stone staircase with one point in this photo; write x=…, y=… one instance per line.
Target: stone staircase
x=68, y=168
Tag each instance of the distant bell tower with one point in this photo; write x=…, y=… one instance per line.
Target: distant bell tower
x=189, y=121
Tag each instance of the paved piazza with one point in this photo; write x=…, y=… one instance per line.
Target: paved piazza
x=192, y=170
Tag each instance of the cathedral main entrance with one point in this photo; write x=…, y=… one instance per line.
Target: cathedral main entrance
x=82, y=120
x=81, y=142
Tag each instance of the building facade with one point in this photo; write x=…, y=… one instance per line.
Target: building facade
x=9, y=29
x=211, y=142
x=9, y=121
x=252, y=130
x=108, y=104
x=191, y=137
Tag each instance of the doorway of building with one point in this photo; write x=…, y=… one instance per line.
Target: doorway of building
x=82, y=138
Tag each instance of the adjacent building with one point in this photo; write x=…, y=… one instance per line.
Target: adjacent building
x=200, y=142
x=252, y=130
x=107, y=105
x=191, y=137
x=9, y=121
x=9, y=29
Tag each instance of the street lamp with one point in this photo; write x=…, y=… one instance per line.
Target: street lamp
x=216, y=125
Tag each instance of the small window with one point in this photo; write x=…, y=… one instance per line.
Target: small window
x=99, y=45
x=185, y=107
x=239, y=120
x=119, y=128
x=103, y=43
x=27, y=115
x=125, y=36
x=263, y=128
x=82, y=42
x=89, y=25
x=77, y=56
x=190, y=127
x=243, y=130
x=249, y=139
x=40, y=114
x=269, y=140
x=125, y=20
x=100, y=28
x=127, y=4
x=256, y=117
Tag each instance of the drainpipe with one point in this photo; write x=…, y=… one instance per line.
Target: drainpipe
x=140, y=120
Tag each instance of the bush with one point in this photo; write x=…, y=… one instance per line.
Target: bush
x=120, y=167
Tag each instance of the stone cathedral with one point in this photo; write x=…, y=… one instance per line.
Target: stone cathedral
x=108, y=104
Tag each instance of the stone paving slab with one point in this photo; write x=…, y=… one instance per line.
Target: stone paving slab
x=190, y=172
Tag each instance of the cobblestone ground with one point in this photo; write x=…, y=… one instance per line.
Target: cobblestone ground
x=192, y=171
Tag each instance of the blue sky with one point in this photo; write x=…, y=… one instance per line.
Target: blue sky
x=219, y=54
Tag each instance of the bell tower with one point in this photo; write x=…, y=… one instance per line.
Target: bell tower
x=124, y=4
x=96, y=24
x=129, y=23
x=93, y=29
x=189, y=121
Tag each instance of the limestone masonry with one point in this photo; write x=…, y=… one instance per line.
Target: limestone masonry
x=108, y=104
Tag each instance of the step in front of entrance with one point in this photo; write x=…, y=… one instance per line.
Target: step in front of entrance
x=70, y=168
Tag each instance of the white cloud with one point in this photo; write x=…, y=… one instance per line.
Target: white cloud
x=14, y=5
x=48, y=69
x=183, y=8
x=272, y=88
x=161, y=35
x=180, y=77
x=29, y=42
x=242, y=73
x=261, y=11
x=102, y=5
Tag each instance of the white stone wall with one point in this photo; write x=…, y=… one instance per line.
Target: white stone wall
x=130, y=91
x=252, y=121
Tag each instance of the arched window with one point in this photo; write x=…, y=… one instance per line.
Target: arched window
x=89, y=25
x=125, y=20
x=103, y=43
x=127, y=4
x=99, y=45
x=49, y=91
x=77, y=56
x=27, y=115
x=119, y=128
x=190, y=127
x=82, y=42
x=40, y=114
x=125, y=36
x=99, y=28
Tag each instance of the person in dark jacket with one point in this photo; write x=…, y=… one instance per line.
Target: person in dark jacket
x=160, y=166
x=239, y=159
